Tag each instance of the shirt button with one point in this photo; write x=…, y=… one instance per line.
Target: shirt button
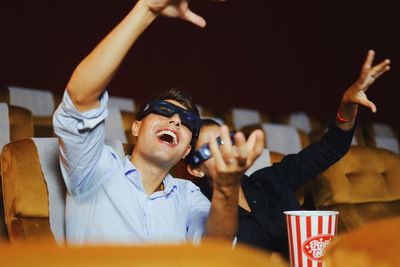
x=254, y=201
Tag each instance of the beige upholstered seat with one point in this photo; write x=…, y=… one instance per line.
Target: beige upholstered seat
x=40, y=103
x=363, y=186
x=16, y=125
x=375, y=244
x=33, y=189
x=212, y=253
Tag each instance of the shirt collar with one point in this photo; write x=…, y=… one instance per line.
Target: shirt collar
x=133, y=174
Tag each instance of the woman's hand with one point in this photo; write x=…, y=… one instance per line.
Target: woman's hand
x=356, y=93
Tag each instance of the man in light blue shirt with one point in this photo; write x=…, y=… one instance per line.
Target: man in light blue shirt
x=136, y=200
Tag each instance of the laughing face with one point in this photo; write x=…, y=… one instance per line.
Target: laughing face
x=162, y=140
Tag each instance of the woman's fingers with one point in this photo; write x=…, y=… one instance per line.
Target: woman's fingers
x=380, y=69
x=367, y=64
x=366, y=102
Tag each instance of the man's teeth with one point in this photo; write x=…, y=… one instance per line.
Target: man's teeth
x=172, y=134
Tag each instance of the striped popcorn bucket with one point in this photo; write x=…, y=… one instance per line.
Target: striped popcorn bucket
x=309, y=233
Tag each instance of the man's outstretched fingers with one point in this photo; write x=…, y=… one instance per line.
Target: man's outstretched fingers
x=216, y=153
x=226, y=147
x=194, y=18
x=258, y=146
x=243, y=152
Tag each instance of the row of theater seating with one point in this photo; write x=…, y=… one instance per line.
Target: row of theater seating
x=363, y=186
x=286, y=134
x=374, y=244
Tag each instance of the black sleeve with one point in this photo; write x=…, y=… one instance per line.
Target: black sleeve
x=296, y=169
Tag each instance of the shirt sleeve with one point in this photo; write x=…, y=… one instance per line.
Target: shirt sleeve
x=84, y=157
x=296, y=169
x=199, y=208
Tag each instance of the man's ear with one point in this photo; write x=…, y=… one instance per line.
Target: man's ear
x=187, y=151
x=136, y=127
x=195, y=171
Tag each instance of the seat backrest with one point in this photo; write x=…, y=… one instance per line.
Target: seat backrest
x=212, y=253
x=383, y=136
x=33, y=189
x=373, y=244
x=364, y=186
x=127, y=121
x=122, y=103
x=121, y=113
x=240, y=117
x=4, y=125
x=39, y=102
x=264, y=160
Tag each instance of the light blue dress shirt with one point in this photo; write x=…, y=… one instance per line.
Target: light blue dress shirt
x=106, y=201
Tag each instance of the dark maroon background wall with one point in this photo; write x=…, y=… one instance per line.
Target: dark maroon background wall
x=277, y=56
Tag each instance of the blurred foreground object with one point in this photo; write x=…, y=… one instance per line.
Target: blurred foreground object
x=210, y=253
x=372, y=245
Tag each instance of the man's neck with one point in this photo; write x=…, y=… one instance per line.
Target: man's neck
x=152, y=174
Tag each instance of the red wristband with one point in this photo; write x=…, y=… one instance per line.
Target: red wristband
x=341, y=119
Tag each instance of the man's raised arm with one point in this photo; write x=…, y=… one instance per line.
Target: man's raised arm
x=230, y=166
x=94, y=72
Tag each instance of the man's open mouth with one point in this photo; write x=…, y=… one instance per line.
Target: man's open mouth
x=167, y=136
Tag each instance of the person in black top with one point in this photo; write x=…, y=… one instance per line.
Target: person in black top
x=269, y=191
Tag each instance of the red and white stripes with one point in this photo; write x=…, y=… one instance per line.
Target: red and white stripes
x=309, y=233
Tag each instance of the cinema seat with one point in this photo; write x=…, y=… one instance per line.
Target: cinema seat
x=300, y=139
x=301, y=121
x=375, y=244
x=33, y=189
x=40, y=103
x=212, y=253
x=15, y=123
x=363, y=186
x=383, y=136
x=237, y=118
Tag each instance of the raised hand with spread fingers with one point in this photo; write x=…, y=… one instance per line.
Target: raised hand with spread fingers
x=356, y=95
x=176, y=9
x=232, y=161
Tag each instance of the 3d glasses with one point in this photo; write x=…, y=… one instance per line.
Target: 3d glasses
x=203, y=153
x=163, y=108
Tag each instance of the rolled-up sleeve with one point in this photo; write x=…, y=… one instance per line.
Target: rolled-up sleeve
x=83, y=153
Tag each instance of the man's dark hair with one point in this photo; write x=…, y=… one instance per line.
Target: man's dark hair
x=179, y=96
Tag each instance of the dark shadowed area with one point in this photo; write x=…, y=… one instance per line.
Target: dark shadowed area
x=276, y=56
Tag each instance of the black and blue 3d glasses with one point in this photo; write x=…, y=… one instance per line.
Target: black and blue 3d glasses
x=166, y=109
x=204, y=153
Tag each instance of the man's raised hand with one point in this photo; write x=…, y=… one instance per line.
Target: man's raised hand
x=176, y=9
x=232, y=161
